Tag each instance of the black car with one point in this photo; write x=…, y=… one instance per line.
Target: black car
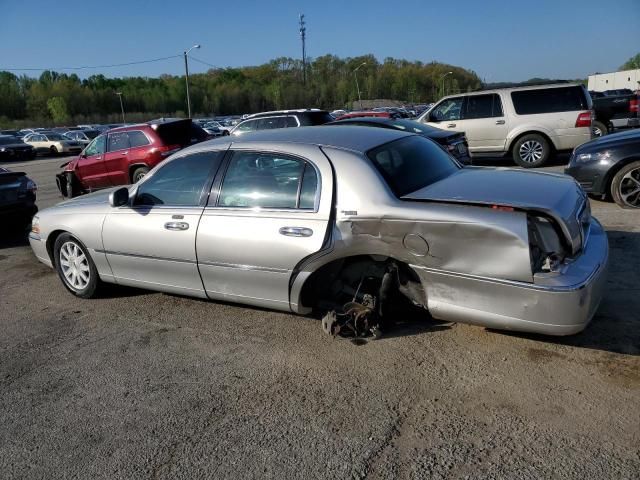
x=17, y=199
x=12, y=133
x=454, y=143
x=609, y=166
x=13, y=148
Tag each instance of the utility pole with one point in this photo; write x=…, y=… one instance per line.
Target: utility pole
x=355, y=74
x=186, y=77
x=303, y=37
x=121, y=106
x=442, y=78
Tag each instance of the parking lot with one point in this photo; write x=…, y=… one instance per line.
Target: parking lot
x=139, y=384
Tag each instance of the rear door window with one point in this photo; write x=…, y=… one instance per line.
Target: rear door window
x=118, y=141
x=482, y=106
x=549, y=100
x=267, y=180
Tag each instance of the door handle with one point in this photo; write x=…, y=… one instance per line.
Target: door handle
x=499, y=122
x=124, y=153
x=176, y=226
x=451, y=125
x=296, y=231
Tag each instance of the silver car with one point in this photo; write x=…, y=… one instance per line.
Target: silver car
x=346, y=219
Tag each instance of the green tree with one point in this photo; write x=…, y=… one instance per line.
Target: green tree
x=58, y=109
x=632, y=63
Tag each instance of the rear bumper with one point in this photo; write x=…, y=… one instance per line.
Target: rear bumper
x=564, y=306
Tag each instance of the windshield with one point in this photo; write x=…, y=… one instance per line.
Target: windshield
x=412, y=127
x=411, y=163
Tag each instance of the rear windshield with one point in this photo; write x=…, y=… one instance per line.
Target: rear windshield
x=9, y=140
x=315, y=118
x=182, y=132
x=411, y=163
x=91, y=134
x=549, y=100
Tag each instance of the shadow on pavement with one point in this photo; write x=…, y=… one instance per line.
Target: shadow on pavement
x=557, y=160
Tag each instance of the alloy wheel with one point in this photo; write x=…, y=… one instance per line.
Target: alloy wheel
x=629, y=188
x=75, y=266
x=531, y=151
x=596, y=132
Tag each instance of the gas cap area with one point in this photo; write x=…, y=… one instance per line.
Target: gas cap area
x=415, y=244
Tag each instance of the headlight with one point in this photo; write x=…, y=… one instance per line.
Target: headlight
x=602, y=157
x=35, y=225
x=3, y=149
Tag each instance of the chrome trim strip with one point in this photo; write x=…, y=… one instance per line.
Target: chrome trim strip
x=245, y=267
x=514, y=283
x=148, y=257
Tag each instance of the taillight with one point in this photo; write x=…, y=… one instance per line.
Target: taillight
x=633, y=105
x=167, y=150
x=584, y=119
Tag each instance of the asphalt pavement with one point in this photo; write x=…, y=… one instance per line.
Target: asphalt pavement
x=138, y=384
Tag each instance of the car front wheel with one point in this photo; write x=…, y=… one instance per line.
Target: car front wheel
x=53, y=150
x=75, y=267
x=625, y=186
x=531, y=151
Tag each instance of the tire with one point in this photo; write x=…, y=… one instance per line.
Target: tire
x=53, y=150
x=138, y=174
x=225, y=133
x=72, y=186
x=531, y=151
x=625, y=186
x=75, y=267
x=599, y=129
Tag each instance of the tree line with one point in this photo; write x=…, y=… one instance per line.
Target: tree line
x=59, y=98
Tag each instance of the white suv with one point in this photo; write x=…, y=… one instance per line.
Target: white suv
x=529, y=122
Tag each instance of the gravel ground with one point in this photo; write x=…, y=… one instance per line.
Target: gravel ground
x=147, y=385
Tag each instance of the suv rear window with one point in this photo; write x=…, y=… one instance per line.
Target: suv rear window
x=549, y=100
x=411, y=163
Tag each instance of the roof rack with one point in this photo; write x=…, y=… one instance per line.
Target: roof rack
x=535, y=83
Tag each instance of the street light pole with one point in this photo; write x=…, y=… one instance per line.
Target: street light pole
x=355, y=74
x=186, y=77
x=121, y=106
x=442, y=78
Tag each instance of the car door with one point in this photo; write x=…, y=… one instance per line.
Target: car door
x=39, y=142
x=271, y=210
x=151, y=242
x=484, y=123
x=90, y=168
x=446, y=115
x=116, y=158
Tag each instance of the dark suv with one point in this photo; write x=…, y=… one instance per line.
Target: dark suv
x=282, y=119
x=124, y=155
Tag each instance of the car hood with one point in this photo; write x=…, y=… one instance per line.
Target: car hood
x=95, y=198
x=554, y=195
x=611, y=140
x=16, y=145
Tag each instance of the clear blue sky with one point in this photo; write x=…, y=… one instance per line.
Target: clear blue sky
x=499, y=39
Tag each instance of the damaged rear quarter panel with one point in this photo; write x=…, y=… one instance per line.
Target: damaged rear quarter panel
x=458, y=238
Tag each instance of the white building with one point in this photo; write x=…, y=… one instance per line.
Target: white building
x=613, y=81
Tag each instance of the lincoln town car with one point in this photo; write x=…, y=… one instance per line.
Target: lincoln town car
x=349, y=221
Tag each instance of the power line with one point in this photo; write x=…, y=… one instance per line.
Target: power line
x=203, y=62
x=87, y=67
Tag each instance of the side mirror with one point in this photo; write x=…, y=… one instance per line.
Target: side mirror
x=119, y=197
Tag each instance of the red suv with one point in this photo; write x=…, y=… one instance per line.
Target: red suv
x=124, y=155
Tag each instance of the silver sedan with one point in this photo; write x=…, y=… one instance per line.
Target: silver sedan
x=351, y=220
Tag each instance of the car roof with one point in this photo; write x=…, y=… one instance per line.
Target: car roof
x=285, y=112
x=360, y=139
x=515, y=89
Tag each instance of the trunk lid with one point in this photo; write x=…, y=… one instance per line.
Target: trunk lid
x=553, y=195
